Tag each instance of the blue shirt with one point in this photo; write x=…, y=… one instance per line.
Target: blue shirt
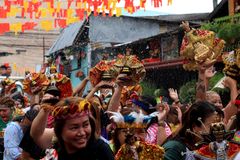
x=12, y=137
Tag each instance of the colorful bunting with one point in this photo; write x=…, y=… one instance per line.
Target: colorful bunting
x=49, y=14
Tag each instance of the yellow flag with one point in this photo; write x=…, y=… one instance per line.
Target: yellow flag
x=16, y=27
x=43, y=12
x=118, y=11
x=72, y=20
x=69, y=13
x=47, y=25
x=79, y=5
x=13, y=12
x=14, y=66
x=25, y=5
x=58, y=6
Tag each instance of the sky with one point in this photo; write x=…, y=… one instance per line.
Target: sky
x=177, y=7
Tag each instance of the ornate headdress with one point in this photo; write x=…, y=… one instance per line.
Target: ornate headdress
x=63, y=83
x=35, y=83
x=9, y=86
x=232, y=64
x=141, y=151
x=131, y=66
x=71, y=110
x=53, y=67
x=130, y=92
x=132, y=120
x=102, y=70
x=200, y=46
x=216, y=144
x=135, y=149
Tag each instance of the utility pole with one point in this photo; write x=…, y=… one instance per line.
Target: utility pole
x=231, y=7
x=43, y=50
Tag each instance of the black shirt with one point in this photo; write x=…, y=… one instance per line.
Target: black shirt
x=97, y=150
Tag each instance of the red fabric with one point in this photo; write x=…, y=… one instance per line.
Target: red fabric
x=151, y=60
x=206, y=152
x=50, y=121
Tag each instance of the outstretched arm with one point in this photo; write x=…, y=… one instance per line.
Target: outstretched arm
x=80, y=88
x=41, y=135
x=230, y=110
x=205, y=72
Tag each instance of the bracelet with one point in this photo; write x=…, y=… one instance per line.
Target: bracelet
x=115, y=85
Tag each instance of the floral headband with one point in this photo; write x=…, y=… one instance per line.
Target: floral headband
x=72, y=110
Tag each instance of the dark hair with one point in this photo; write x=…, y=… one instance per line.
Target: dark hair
x=59, y=124
x=147, y=103
x=201, y=109
x=8, y=102
x=115, y=139
x=58, y=128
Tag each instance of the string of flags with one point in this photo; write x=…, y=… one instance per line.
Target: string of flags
x=50, y=14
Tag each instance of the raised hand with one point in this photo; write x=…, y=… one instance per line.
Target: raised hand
x=125, y=80
x=210, y=72
x=185, y=26
x=173, y=94
x=105, y=84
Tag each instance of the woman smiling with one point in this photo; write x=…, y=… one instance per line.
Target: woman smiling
x=74, y=129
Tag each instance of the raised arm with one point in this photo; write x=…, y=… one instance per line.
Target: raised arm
x=80, y=88
x=41, y=135
x=205, y=72
x=173, y=94
x=230, y=110
x=106, y=84
x=115, y=100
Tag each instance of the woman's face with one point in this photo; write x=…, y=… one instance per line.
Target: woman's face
x=215, y=99
x=76, y=133
x=140, y=133
x=122, y=136
x=208, y=121
x=5, y=114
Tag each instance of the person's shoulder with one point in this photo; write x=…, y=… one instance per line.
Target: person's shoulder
x=12, y=127
x=173, y=144
x=99, y=143
x=174, y=150
x=13, y=124
x=103, y=150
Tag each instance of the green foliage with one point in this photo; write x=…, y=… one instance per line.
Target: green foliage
x=213, y=81
x=227, y=28
x=229, y=32
x=148, y=88
x=211, y=26
x=160, y=92
x=187, y=92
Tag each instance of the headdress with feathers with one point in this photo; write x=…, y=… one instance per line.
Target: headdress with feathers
x=132, y=120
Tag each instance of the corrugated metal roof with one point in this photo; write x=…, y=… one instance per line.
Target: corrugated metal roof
x=121, y=29
x=66, y=37
x=180, y=17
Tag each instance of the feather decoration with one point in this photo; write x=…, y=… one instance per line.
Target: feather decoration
x=147, y=119
x=138, y=116
x=154, y=114
x=129, y=119
x=117, y=117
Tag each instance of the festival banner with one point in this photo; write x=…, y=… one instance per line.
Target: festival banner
x=50, y=14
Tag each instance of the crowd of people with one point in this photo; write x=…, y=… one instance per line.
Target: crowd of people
x=113, y=120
